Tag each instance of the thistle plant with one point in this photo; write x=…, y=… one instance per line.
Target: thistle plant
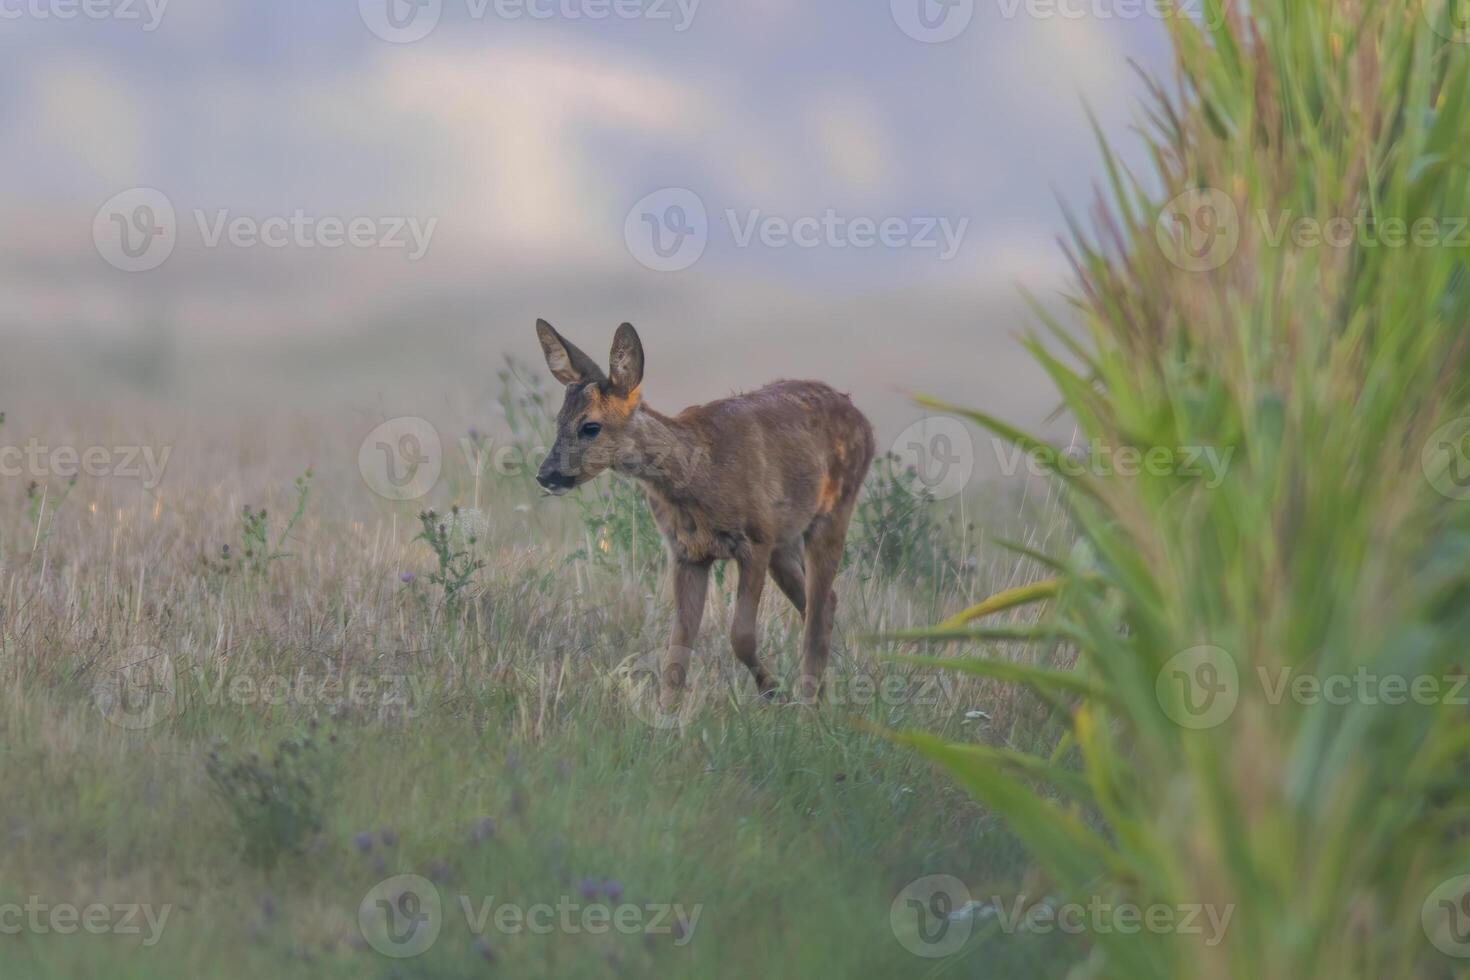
x=257, y=550
x=457, y=565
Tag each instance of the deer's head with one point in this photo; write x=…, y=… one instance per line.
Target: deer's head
x=593, y=426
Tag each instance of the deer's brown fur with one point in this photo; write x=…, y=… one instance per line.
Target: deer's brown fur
x=766, y=479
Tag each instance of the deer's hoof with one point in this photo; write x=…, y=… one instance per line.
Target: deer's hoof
x=808, y=691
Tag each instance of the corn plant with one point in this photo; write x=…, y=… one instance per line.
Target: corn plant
x=1264, y=294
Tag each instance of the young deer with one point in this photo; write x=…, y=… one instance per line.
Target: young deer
x=767, y=479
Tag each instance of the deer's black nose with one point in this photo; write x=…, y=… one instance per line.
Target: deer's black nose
x=555, y=479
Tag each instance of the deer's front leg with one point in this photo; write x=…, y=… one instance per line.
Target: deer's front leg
x=743, y=632
x=691, y=582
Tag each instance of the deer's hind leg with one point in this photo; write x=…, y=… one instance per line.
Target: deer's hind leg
x=789, y=573
x=824, y=542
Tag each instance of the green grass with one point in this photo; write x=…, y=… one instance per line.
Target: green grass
x=255, y=805
x=792, y=859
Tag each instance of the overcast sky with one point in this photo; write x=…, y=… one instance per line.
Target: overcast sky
x=767, y=187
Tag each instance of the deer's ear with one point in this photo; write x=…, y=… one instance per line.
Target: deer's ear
x=625, y=363
x=568, y=364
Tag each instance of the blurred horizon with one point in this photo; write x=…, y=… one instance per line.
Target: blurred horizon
x=322, y=214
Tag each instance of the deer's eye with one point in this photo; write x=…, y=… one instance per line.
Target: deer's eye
x=589, y=430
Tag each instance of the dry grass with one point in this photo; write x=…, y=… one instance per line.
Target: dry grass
x=517, y=703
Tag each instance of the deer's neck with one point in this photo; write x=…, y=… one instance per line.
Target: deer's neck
x=667, y=456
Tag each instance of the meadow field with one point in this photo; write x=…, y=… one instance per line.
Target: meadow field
x=244, y=694
x=310, y=695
